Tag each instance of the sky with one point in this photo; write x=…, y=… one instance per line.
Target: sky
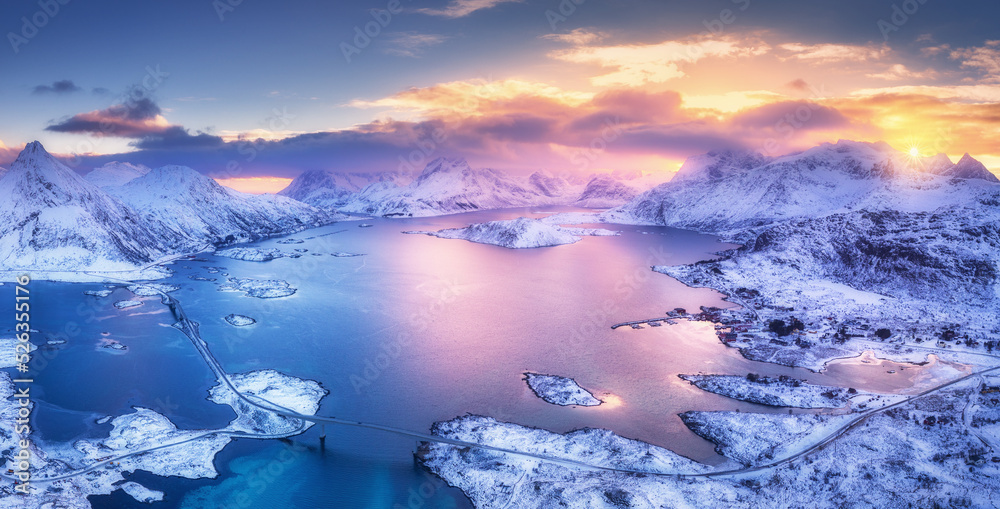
x=253, y=93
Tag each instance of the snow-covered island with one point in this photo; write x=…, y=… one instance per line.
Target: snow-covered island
x=251, y=254
x=519, y=233
x=780, y=392
x=846, y=248
x=146, y=440
x=559, y=390
x=259, y=288
x=152, y=289
x=239, y=320
x=915, y=455
x=125, y=304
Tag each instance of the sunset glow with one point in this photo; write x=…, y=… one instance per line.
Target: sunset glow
x=481, y=254
x=587, y=96
x=255, y=185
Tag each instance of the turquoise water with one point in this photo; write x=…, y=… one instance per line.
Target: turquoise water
x=417, y=330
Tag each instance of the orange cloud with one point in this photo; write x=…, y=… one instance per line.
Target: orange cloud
x=640, y=64
x=828, y=53
x=255, y=185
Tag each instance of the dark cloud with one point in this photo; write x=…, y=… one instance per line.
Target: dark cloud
x=803, y=114
x=132, y=119
x=57, y=87
x=176, y=137
x=513, y=133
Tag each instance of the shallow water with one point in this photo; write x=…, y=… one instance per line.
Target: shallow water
x=418, y=330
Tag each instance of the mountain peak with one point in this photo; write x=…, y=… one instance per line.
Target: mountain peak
x=35, y=171
x=718, y=164
x=33, y=152
x=970, y=168
x=446, y=164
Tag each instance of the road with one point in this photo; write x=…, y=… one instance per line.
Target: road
x=190, y=329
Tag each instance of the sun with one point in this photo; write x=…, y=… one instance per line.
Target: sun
x=914, y=152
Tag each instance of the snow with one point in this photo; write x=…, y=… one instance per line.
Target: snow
x=169, y=451
x=559, y=390
x=239, y=320
x=754, y=439
x=298, y=395
x=259, y=288
x=141, y=493
x=58, y=224
x=330, y=190
x=152, y=289
x=899, y=458
x=850, y=238
x=251, y=254
x=8, y=352
x=99, y=293
x=519, y=233
x=785, y=392
x=125, y=304
x=115, y=174
x=448, y=186
x=513, y=234
x=51, y=219
x=223, y=216
x=590, y=232
x=729, y=191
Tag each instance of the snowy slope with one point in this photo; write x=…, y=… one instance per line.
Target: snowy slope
x=947, y=256
x=616, y=189
x=330, y=190
x=446, y=186
x=115, y=174
x=556, y=188
x=514, y=234
x=969, y=168
x=727, y=191
x=196, y=206
x=52, y=219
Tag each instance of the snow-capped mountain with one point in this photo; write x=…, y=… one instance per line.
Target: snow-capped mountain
x=196, y=206
x=968, y=168
x=331, y=190
x=950, y=255
x=446, y=186
x=551, y=186
x=52, y=219
x=615, y=189
x=115, y=174
x=732, y=190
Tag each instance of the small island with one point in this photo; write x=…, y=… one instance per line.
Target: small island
x=559, y=390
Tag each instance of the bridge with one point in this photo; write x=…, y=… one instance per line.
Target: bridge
x=190, y=329
x=637, y=324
